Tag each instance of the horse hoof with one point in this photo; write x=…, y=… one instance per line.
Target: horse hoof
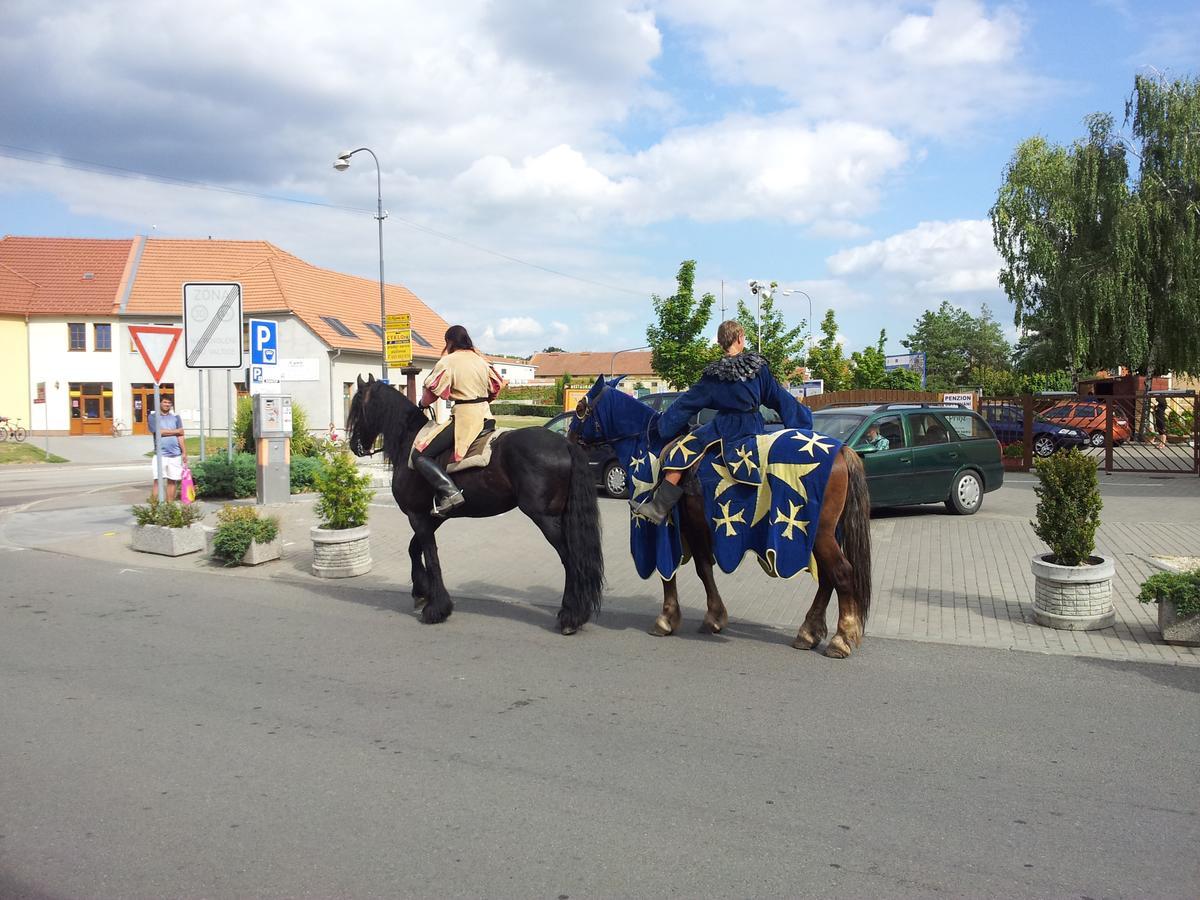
x=419, y=602
x=838, y=648
x=662, y=627
x=569, y=629
x=806, y=640
x=707, y=627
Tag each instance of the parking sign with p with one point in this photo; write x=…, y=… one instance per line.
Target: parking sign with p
x=264, y=342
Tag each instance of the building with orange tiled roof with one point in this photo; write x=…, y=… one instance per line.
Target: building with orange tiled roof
x=66, y=304
x=584, y=367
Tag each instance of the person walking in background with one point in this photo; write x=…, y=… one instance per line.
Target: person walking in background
x=1160, y=422
x=169, y=428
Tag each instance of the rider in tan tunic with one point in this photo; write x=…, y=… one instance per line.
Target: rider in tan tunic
x=463, y=376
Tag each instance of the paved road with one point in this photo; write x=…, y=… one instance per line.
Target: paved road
x=191, y=734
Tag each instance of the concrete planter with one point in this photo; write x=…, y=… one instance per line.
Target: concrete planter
x=255, y=555
x=168, y=541
x=1073, y=598
x=341, y=552
x=1183, y=632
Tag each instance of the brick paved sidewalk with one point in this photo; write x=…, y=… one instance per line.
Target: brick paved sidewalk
x=937, y=577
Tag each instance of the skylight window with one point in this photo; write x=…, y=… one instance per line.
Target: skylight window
x=420, y=340
x=375, y=329
x=339, y=326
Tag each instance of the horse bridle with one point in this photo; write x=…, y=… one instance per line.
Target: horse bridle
x=601, y=438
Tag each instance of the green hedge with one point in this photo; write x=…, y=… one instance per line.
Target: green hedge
x=305, y=471
x=528, y=393
x=217, y=477
x=500, y=408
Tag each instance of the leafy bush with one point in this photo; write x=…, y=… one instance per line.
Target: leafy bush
x=303, y=443
x=243, y=426
x=170, y=513
x=237, y=528
x=1180, y=424
x=524, y=409
x=1015, y=451
x=528, y=393
x=1069, y=504
x=1180, y=588
x=345, y=494
x=304, y=472
x=217, y=477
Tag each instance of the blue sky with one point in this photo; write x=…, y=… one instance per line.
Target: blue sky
x=848, y=149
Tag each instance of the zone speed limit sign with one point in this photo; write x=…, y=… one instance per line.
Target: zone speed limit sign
x=212, y=324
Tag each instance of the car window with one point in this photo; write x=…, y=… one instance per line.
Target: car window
x=968, y=427
x=560, y=424
x=883, y=433
x=927, y=428
x=838, y=425
x=1087, y=412
x=769, y=415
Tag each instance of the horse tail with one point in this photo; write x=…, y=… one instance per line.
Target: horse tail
x=585, y=556
x=856, y=530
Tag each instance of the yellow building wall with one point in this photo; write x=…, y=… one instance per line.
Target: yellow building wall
x=14, y=370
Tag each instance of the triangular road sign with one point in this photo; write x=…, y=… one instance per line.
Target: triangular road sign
x=156, y=343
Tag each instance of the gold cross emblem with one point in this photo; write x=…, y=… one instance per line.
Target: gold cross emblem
x=744, y=458
x=684, y=450
x=639, y=486
x=790, y=520
x=727, y=520
x=810, y=441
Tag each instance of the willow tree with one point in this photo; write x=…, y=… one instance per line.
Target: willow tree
x=1103, y=263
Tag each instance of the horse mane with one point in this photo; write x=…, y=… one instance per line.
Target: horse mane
x=399, y=420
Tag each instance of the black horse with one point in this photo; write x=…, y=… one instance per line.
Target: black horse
x=531, y=468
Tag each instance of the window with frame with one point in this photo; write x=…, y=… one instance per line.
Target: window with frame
x=102, y=337
x=76, y=337
x=968, y=427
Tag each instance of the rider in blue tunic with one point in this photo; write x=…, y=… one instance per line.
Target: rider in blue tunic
x=735, y=386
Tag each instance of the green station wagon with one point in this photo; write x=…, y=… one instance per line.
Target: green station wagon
x=919, y=454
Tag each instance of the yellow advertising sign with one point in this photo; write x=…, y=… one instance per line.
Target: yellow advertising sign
x=397, y=338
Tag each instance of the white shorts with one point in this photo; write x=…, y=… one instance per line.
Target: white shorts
x=172, y=468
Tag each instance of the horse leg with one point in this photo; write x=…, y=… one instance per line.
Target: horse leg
x=850, y=630
x=420, y=578
x=551, y=527
x=813, y=629
x=695, y=531
x=669, y=619
x=438, y=606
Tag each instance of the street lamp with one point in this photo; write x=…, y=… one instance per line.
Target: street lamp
x=762, y=289
x=342, y=164
x=613, y=361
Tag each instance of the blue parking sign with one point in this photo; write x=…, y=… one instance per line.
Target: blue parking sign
x=264, y=342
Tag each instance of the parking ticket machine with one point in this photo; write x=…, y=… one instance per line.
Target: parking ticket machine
x=273, y=443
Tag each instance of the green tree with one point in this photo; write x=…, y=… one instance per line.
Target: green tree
x=1109, y=264
x=957, y=345
x=783, y=347
x=825, y=361
x=868, y=366
x=679, y=350
x=553, y=349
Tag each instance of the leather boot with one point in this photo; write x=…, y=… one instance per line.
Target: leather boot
x=658, y=507
x=447, y=493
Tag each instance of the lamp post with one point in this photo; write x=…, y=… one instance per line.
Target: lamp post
x=342, y=164
x=612, y=363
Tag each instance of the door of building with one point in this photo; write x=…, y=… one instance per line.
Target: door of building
x=143, y=404
x=91, y=407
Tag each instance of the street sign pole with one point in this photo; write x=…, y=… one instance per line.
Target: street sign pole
x=200, y=383
x=158, y=473
x=232, y=411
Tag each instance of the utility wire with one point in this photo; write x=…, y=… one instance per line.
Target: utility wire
x=38, y=157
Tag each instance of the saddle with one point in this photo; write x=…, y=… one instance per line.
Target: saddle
x=479, y=454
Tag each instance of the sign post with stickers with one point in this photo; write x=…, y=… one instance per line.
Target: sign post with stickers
x=156, y=344
x=398, y=340
x=212, y=332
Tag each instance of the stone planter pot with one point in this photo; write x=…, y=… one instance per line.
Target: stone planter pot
x=256, y=554
x=1183, y=632
x=1073, y=598
x=341, y=552
x=168, y=541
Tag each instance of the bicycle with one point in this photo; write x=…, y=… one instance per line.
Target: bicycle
x=9, y=429
x=118, y=428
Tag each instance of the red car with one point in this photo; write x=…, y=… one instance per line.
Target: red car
x=1089, y=416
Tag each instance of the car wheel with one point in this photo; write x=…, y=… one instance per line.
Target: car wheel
x=1043, y=445
x=615, y=483
x=1097, y=439
x=966, y=494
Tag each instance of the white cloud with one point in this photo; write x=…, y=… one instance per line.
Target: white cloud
x=933, y=257
x=520, y=327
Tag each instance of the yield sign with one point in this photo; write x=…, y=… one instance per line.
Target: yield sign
x=156, y=343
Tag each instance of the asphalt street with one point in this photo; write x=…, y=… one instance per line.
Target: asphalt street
x=197, y=735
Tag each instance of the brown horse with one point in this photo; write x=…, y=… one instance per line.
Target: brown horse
x=842, y=546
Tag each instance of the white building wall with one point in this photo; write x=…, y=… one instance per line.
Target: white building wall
x=51, y=361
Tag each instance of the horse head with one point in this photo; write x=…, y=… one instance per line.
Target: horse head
x=364, y=422
x=606, y=414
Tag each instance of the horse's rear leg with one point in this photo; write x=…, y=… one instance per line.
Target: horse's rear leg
x=813, y=629
x=831, y=560
x=571, y=617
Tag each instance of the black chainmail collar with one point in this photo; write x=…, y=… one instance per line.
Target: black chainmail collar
x=742, y=367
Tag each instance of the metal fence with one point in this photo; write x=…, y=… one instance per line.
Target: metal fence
x=1123, y=433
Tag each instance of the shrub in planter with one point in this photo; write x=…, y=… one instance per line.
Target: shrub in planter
x=1014, y=451
x=1178, y=597
x=167, y=513
x=169, y=528
x=240, y=527
x=1073, y=586
x=341, y=543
